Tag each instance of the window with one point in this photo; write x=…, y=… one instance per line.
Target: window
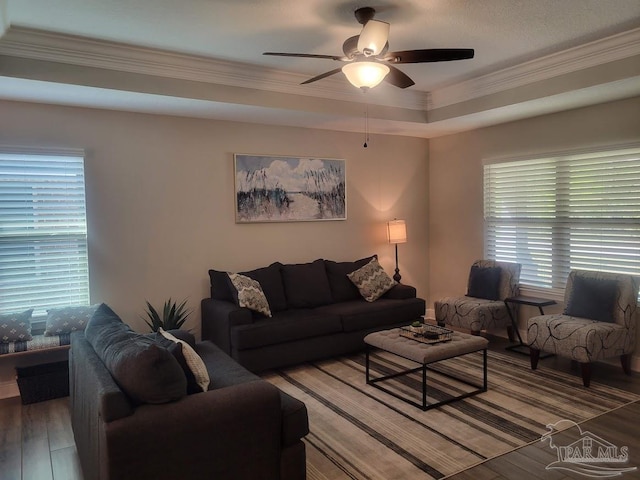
x=576, y=210
x=43, y=230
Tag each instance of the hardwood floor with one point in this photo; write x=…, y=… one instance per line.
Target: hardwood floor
x=36, y=441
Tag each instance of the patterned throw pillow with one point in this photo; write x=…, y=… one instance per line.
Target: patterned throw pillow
x=248, y=293
x=16, y=327
x=372, y=280
x=195, y=363
x=68, y=319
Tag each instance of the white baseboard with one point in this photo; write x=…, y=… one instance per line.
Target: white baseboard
x=9, y=389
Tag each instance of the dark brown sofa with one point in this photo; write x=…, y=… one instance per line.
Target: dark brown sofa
x=242, y=427
x=317, y=313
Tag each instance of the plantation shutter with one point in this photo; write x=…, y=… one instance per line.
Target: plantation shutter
x=43, y=230
x=564, y=212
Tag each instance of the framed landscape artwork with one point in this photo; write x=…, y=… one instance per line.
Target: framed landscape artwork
x=289, y=189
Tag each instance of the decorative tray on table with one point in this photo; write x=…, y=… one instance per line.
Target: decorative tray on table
x=426, y=333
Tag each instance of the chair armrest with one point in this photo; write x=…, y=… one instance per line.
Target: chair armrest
x=401, y=292
x=218, y=316
x=232, y=432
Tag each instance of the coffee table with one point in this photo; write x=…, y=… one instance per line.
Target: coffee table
x=425, y=354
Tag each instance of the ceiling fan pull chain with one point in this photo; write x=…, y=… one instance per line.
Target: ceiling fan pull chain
x=366, y=127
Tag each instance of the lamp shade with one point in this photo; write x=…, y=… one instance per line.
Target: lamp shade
x=373, y=37
x=365, y=74
x=397, y=231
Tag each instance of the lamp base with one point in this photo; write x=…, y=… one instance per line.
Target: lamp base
x=396, y=276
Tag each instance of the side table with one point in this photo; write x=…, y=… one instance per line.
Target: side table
x=521, y=347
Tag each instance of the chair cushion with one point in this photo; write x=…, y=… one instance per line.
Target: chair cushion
x=343, y=289
x=580, y=339
x=484, y=282
x=472, y=313
x=592, y=298
x=372, y=281
x=306, y=285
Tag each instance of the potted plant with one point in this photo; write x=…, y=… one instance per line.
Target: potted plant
x=173, y=316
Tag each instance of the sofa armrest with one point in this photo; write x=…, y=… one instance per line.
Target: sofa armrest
x=218, y=316
x=401, y=292
x=232, y=432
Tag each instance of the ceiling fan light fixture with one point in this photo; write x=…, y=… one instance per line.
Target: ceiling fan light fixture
x=373, y=37
x=365, y=74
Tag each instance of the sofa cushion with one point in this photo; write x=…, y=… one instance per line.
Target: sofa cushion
x=194, y=362
x=226, y=372
x=372, y=281
x=146, y=372
x=306, y=285
x=248, y=293
x=16, y=327
x=220, y=285
x=343, y=289
x=361, y=315
x=285, y=326
x=592, y=298
x=270, y=280
x=484, y=282
x=68, y=319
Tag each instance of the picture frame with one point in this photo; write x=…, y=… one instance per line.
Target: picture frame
x=271, y=188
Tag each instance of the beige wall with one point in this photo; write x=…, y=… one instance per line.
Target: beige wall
x=160, y=200
x=455, y=178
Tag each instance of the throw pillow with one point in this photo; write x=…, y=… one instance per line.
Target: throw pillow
x=175, y=348
x=16, y=327
x=342, y=289
x=306, y=284
x=220, y=286
x=144, y=371
x=592, y=298
x=248, y=293
x=372, y=281
x=68, y=319
x=484, y=282
x=195, y=363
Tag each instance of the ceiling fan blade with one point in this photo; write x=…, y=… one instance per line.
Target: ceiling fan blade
x=322, y=75
x=429, y=55
x=307, y=55
x=398, y=78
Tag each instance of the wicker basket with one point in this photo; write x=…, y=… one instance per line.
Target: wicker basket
x=43, y=382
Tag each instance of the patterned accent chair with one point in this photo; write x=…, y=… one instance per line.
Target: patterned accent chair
x=476, y=314
x=594, y=325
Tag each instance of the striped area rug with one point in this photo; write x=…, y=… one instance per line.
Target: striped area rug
x=359, y=432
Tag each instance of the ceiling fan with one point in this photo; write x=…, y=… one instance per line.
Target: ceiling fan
x=367, y=56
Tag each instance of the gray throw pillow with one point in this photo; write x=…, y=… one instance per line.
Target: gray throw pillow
x=372, y=281
x=16, y=327
x=68, y=319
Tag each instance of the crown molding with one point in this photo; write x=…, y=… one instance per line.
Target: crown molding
x=55, y=47
x=593, y=54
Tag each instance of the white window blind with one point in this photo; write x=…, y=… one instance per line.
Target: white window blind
x=43, y=230
x=563, y=212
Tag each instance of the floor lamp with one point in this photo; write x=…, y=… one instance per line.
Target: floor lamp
x=397, y=233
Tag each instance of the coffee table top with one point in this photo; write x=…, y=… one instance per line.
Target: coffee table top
x=392, y=341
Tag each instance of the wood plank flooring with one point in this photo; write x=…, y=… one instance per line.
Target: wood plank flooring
x=36, y=441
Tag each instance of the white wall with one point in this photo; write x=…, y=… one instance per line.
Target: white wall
x=160, y=201
x=455, y=179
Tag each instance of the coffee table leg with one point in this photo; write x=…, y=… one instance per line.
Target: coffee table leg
x=367, y=363
x=424, y=387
